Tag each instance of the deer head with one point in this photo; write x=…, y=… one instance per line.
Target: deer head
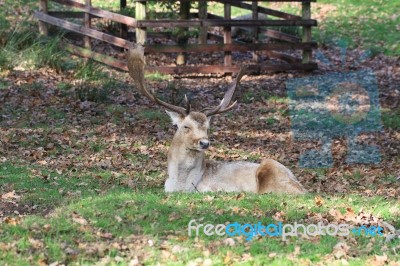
x=192, y=125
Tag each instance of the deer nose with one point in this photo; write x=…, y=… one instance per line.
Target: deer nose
x=204, y=143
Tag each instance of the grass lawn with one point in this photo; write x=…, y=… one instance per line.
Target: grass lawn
x=93, y=220
x=83, y=158
x=370, y=24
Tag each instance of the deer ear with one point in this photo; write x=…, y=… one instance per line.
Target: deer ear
x=208, y=121
x=175, y=117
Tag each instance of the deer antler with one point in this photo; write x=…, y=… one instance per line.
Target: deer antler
x=225, y=104
x=136, y=63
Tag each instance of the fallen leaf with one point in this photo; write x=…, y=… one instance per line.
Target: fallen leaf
x=279, y=216
x=229, y=242
x=35, y=243
x=79, y=219
x=10, y=195
x=228, y=257
x=319, y=201
x=340, y=250
x=11, y=220
x=379, y=260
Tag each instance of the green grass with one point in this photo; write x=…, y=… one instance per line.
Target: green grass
x=88, y=215
x=157, y=76
x=391, y=118
x=25, y=50
x=371, y=24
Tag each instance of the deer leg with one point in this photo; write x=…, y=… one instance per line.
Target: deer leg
x=276, y=178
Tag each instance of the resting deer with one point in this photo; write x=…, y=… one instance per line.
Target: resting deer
x=188, y=169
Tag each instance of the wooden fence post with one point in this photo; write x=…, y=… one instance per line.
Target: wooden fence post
x=88, y=22
x=227, y=35
x=140, y=13
x=254, y=7
x=42, y=25
x=123, y=32
x=182, y=35
x=203, y=15
x=306, y=14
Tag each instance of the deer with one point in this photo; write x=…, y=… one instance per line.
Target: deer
x=188, y=168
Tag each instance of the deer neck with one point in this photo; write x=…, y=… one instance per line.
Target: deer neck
x=185, y=167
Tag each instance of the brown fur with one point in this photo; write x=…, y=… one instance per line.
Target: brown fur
x=199, y=118
x=269, y=178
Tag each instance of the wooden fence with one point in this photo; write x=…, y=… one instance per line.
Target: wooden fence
x=202, y=20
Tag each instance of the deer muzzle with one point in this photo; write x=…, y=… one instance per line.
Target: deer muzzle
x=204, y=144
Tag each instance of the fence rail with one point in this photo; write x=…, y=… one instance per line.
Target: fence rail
x=202, y=20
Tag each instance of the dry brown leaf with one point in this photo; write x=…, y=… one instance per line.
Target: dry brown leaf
x=35, y=243
x=296, y=251
x=10, y=195
x=78, y=219
x=229, y=241
x=279, y=216
x=240, y=196
x=12, y=220
x=208, y=198
x=319, y=201
x=228, y=257
x=340, y=250
x=378, y=260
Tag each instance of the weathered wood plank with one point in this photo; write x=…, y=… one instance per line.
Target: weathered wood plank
x=216, y=69
x=268, y=32
x=42, y=26
x=227, y=35
x=123, y=29
x=83, y=30
x=186, y=69
x=100, y=13
x=280, y=36
x=202, y=15
x=140, y=13
x=105, y=59
x=306, y=14
x=263, y=10
x=281, y=56
x=69, y=14
x=255, y=30
x=224, y=22
x=266, y=22
x=88, y=23
x=181, y=34
x=241, y=47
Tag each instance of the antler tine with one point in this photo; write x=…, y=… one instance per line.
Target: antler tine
x=136, y=63
x=188, y=107
x=224, y=105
